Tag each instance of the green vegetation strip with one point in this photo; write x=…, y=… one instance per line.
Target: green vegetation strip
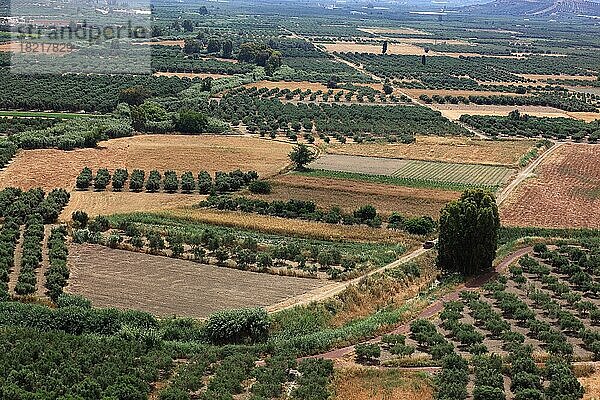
x=396, y=180
x=41, y=114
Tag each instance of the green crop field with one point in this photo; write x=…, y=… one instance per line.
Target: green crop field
x=469, y=174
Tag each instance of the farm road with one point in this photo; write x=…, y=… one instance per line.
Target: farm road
x=437, y=306
x=333, y=289
x=524, y=174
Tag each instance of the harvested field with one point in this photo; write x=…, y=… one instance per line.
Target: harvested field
x=103, y=203
x=468, y=174
x=405, y=49
x=349, y=195
x=166, y=287
x=397, y=31
x=300, y=228
x=454, y=111
x=51, y=168
x=355, y=383
x=190, y=75
x=565, y=193
x=443, y=148
x=584, y=116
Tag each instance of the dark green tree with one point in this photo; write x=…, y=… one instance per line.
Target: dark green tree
x=469, y=233
x=301, y=156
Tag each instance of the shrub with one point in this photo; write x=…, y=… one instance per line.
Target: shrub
x=247, y=325
x=367, y=353
x=260, y=187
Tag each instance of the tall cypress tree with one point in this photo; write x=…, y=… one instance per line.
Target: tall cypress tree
x=469, y=233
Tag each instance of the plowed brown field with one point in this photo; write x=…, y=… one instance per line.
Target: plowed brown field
x=55, y=168
x=166, y=287
x=564, y=194
x=350, y=195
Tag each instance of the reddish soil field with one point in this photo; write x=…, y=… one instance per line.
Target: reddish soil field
x=165, y=286
x=564, y=194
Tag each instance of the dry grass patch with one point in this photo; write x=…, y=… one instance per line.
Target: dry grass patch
x=356, y=383
x=564, y=194
x=296, y=227
x=106, y=203
x=166, y=287
x=350, y=194
x=50, y=168
x=443, y=148
x=591, y=384
x=584, y=116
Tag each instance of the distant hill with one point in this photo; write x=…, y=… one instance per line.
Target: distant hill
x=537, y=8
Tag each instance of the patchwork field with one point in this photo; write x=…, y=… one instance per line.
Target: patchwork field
x=416, y=170
x=52, y=168
x=398, y=31
x=565, y=193
x=351, y=194
x=443, y=148
x=167, y=287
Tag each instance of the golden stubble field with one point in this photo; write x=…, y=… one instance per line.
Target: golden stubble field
x=453, y=149
x=51, y=168
x=564, y=193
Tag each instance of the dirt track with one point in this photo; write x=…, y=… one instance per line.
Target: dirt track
x=438, y=305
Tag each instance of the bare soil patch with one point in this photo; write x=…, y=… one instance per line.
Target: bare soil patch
x=349, y=195
x=50, y=168
x=565, y=193
x=454, y=111
x=166, y=287
x=591, y=384
x=443, y=148
x=584, y=116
